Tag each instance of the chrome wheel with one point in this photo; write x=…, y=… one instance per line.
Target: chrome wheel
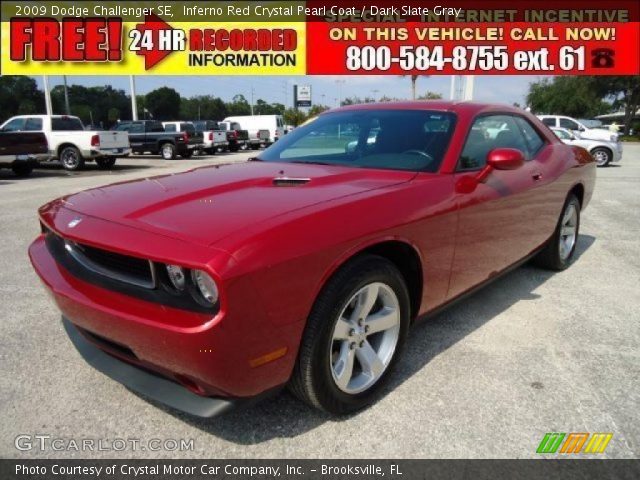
x=70, y=158
x=568, y=231
x=601, y=156
x=167, y=151
x=365, y=338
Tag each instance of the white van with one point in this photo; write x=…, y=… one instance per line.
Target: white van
x=254, y=123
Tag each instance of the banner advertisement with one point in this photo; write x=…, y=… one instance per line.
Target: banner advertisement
x=320, y=38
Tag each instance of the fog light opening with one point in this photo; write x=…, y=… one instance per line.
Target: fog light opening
x=190, y=385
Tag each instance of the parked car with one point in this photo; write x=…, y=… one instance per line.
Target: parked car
x=70, y=143
x=602, y=152
x=237, y=137
x=575, y=126
x=306, y=267
x=214, y=139
x=255, y=123
x=195, y=138
x=149, y=136
x=21, y=151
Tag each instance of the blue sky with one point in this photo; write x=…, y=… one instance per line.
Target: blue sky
x=325, y=90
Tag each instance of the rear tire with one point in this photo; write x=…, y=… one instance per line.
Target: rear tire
x=255, y=146
x=602, y=156
x=71, y=159
x=187, y=154
x=344, y=359
x=168, y=151
x=22, y=169
x=559, y=250
x=105, y=163
x=234, y=148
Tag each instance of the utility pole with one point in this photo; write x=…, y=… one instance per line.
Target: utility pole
x=67, y=108
x=134, y=106
x=47, y=95
x=375, y=94
x=252, y=91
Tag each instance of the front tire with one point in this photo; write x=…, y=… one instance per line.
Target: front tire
x=105, y=163
x=71, y=159
x=187, y=154
x=602, y=156
x=559, y=251
x=354, y=336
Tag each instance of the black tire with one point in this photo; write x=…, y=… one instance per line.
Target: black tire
x=187, y=154
x=168, y=151
x=312, y=380
x=210, y=151
x=550, y=256
x=234, y=147
x=22, y=169
x=71, y=159
x=602, y=156
x=106, y=163
x=255, y=146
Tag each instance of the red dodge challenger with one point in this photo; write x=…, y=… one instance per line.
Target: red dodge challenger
x=307, y=265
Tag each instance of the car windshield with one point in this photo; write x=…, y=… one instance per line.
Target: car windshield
x=414, y=140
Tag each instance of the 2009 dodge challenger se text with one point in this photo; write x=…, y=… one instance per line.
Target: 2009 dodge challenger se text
x=306, y=266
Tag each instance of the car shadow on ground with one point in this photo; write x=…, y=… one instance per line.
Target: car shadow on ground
x=283, y=416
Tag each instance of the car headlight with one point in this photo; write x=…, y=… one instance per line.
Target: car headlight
x=206, y=286
x=176, y=276
x=614, y=138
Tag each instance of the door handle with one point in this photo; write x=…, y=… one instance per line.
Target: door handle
x=536, y=176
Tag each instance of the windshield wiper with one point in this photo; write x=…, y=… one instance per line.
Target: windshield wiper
x=312, y=162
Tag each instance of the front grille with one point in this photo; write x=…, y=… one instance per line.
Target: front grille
x=123, y=268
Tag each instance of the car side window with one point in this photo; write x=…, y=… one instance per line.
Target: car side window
x=170, y=128
x=487, y=133
x=533, y=139
x=569, y=124
x=33, y=124
x=562, y=134
x=549, y=121
x=15, y=125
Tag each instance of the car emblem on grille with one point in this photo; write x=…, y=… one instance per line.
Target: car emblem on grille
x=73, y=223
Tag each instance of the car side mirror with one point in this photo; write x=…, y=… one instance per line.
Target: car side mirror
x=505, y=159
x=497, y=159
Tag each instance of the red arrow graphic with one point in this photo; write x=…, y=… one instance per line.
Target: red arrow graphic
x=154, y=24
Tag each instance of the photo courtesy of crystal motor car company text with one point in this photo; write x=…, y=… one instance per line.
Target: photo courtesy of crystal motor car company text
x=378, y=233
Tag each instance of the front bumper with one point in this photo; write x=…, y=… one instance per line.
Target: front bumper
x=210, y=357
x=617, y=153
x=144, y=382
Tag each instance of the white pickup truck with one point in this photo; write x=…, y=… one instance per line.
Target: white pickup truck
x=70, y=143
x=578, y=128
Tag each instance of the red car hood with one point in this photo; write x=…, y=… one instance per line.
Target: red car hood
x=207, y=204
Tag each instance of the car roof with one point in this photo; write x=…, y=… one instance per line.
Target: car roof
x=39, y=115
x=462, y=107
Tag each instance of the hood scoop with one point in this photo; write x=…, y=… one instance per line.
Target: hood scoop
x=289, y=181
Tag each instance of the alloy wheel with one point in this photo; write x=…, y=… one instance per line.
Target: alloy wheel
x=568, y=231
x=70, y=159
x=601, y=157
x=365, y=338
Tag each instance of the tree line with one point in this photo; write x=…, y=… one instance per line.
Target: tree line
x=587, y=97
x=103, y=106
x=574, y=96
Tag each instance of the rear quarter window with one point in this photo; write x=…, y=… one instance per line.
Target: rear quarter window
x=66, y=124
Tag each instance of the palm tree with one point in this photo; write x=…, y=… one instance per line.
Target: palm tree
x=414, y=79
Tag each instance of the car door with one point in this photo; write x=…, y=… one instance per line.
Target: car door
x=498, y=221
